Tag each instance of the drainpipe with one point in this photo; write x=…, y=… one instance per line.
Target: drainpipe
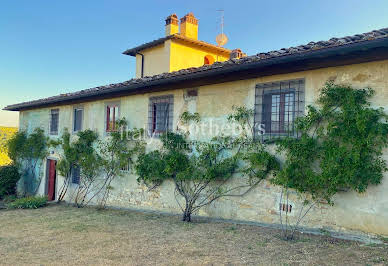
x=142, y=64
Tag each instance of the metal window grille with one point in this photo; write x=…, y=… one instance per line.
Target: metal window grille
x=75, y=174
x=54, y=119
x=126, y=168
x=78, y=117
x=160, y=115
x=112, y=116
x=277, y=105
x=285, y=207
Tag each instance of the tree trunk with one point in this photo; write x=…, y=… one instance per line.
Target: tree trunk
x=187, y=215
x=63, y=190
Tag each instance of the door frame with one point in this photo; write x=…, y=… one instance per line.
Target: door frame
x=48, y=177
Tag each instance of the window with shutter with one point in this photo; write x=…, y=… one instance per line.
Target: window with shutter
x=160, y=115
x=277, y=105
x=78, y=119
x=54, y=120
x=112, y=116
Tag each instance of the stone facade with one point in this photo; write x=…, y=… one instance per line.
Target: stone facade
x=366, y=212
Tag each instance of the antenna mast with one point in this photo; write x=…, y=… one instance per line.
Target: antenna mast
x=222, y=20
x=221, y=39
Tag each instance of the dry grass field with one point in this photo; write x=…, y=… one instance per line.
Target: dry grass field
x=67, y=235
x=5, y=134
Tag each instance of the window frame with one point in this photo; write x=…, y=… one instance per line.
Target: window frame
x=282, y=112
x=54, y=112
x=126, y=168
x=153, y=115
x=75, y=109
x=264, y=108
x=73, y=168
x=116, y=116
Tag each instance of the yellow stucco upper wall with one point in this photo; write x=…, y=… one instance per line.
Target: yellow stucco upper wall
x=184, y=56
x=156, y=60
x=172, y=56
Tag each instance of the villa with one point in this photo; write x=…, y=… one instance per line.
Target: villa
x=179, y=73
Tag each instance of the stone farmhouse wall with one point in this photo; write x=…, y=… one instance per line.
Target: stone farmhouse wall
x=366, y=212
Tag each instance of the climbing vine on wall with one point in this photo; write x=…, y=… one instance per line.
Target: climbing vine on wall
x=79, y=153
x=340, y=148
x=201, y=171
x=100, y=161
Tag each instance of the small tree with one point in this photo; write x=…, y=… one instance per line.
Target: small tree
x=65, y=164
x=116, y=152
x=340, y=149
x=201, y=171
x=80, y=153
x=27, y=152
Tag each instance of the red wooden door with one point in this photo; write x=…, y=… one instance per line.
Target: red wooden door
x=51, y=180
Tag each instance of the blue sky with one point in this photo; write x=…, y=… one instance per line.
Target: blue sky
x=51, y=47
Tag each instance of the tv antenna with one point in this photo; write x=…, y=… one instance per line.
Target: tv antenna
x=221, y=38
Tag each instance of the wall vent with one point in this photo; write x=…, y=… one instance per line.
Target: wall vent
x=192, y=93
x=285, y=207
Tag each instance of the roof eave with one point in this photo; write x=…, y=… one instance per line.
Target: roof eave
x=137, y=49
x=317, y=55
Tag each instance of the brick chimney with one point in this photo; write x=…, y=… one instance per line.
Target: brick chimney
x=172, y=25
x=237, y=54
x=189, y=26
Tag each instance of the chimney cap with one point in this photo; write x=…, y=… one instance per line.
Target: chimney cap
x=237, y=54
x=172, y=19
x=190, y=18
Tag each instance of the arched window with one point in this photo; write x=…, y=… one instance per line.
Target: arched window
x=208, y=60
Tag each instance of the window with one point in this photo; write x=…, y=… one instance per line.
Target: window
x=208, y=60
x=78, y=119
x=126, y=168
x=277, y=105
x=160, y=115
x=279, y=112
x=112, y=116
x=54, y=119
x=75, y=174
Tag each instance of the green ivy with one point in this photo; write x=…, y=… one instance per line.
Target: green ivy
x=186, y=117
x=81, y=152
x=201, y=170
x=78, y=152
x=340, y=148
x=100, y=160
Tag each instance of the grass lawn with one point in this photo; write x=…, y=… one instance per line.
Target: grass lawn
x=67, y=235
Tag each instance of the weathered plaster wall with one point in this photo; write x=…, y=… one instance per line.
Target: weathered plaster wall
x=366, y=212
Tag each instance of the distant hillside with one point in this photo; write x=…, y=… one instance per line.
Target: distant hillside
x=5, y=134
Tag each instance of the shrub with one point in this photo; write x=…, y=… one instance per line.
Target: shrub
x=29, y=203
x=9, y=176
x=27, y=152
x=9, y=198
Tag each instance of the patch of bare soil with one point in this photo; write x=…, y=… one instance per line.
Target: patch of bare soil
x=67, y=235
